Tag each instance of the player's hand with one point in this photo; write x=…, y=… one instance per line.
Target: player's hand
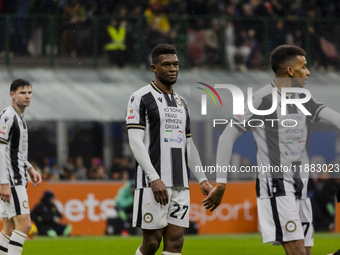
x=215, y=196
x=35, y=177
x=205, y=188
x=5, y=192
x=160, y=192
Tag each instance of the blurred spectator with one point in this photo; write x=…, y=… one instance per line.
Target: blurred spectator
x=55, y=172
x=278, y=34
x=156, y=17
x=212, y=43
x=45, y=170
x=237, y=48
x=116, y=48
x=251, y=35
x=80, y=168
x=123, y=204
x=158, y=28
x=259, y=8
x=101, y=173
x=72, y=27
x=8, y=7
x=48, y=218
x=196, y=40
x=21, y=27
x=68, y=170
x=119, y=166
x=330, y=52
x=274, y=8
x=97, y=170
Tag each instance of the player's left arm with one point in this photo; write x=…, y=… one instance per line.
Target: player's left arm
x=35, y=176
x=194, y=161
x=331, y=116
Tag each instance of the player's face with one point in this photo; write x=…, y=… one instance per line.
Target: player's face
x=300, y=72
x=166, y=69
x=22, y=97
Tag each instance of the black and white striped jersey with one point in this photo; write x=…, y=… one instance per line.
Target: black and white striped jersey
x=282, y=145
x=165, y=119
x=14, y=133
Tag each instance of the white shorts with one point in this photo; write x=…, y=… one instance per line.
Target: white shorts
x=284, y=219
x=148, y=214
x=17, y=205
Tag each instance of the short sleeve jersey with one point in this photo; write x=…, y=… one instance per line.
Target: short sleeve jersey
x=165, y=120
x=14, y=133
x=282, y=143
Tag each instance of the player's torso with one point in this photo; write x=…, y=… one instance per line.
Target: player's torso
x=166, y=129
x=169, y=116
x=284, y=137
x=283, y=146
x=15, y=132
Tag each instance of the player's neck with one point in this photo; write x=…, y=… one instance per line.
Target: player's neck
x=164, y=88
x=283, y=82
x=20, y=110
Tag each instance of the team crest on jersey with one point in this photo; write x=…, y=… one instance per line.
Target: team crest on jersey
x=148, y=217
x=132, y=98
x=178, y=101
x=290, y=226
x=160, y=99
x=25, y=204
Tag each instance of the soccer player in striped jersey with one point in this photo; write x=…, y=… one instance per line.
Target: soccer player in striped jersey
x=284, y=209
x=158, y=126
x=14, y=167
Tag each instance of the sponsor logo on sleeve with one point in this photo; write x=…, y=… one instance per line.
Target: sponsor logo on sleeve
x=131, y=114
x=3, y=130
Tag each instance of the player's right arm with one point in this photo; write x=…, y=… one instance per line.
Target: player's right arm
x=5, y=191
x=224, y=151
x=141, y=155
x=5, y=124
x=136, y=123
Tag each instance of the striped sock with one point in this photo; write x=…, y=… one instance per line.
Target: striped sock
x=17, y=241
x=4, y=240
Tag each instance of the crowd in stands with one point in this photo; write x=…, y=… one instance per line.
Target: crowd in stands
x=75, y=169
x=282, y=8
x=235, y=36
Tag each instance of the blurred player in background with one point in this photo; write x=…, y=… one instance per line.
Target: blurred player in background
x=284, y=209
x=47, y=217
x=14, y=167
x=158, y=126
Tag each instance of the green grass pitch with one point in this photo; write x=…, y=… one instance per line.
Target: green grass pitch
x=324, y=243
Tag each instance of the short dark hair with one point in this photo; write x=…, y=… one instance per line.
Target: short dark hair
x=161, y=49
x=18, y=83
x=282, y=54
